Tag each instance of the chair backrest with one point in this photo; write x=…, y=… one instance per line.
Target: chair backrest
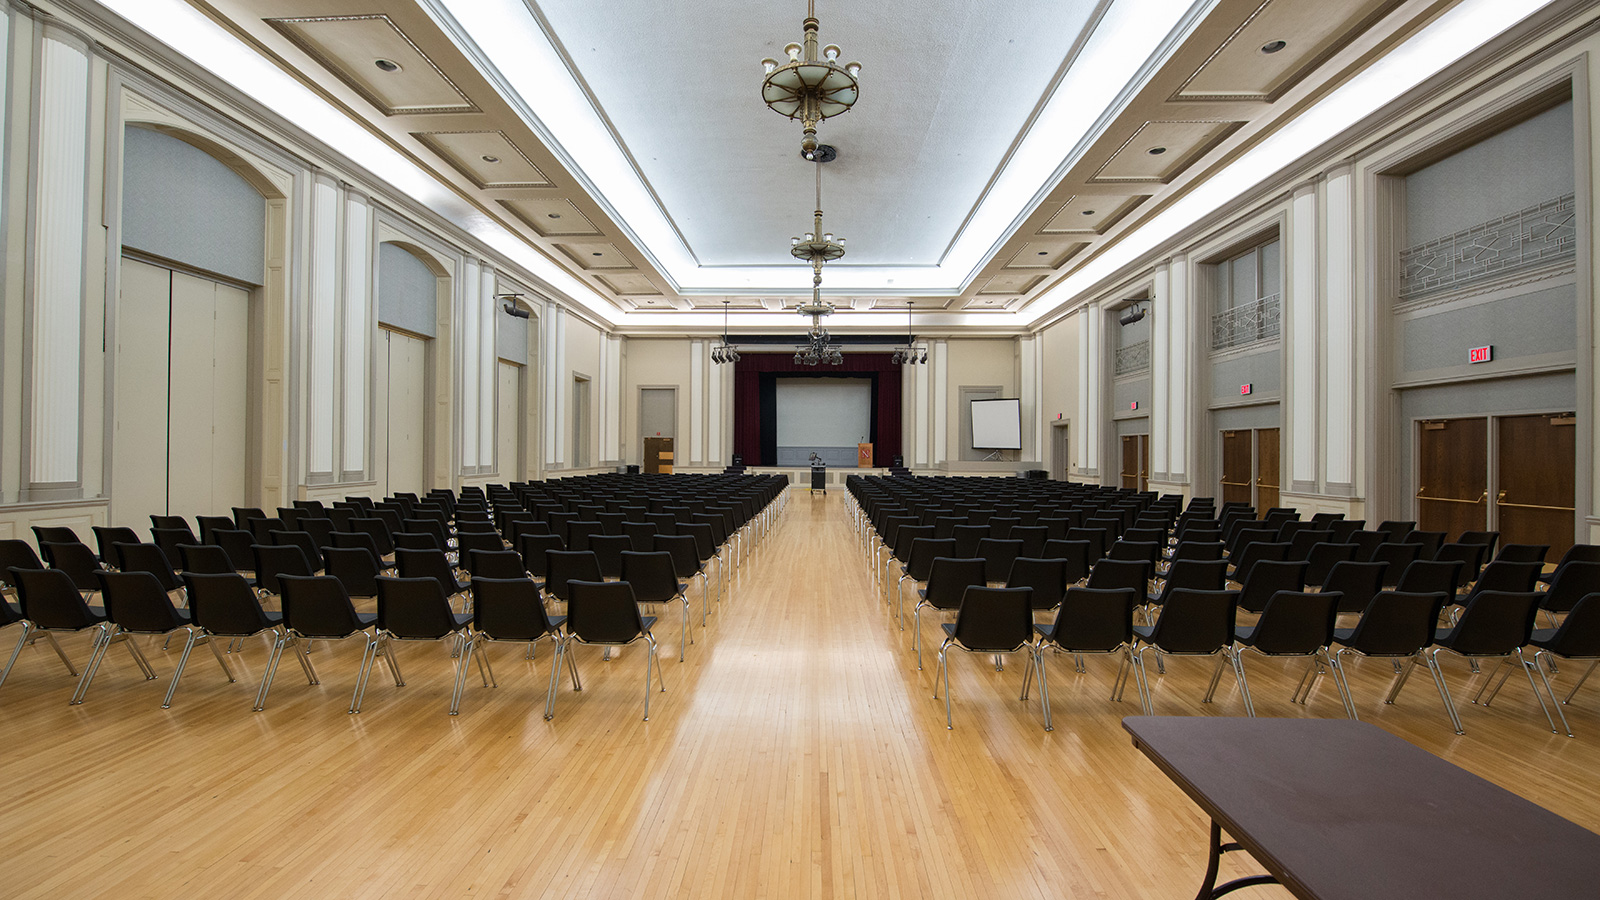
x=1269, y=577
x=106, y=538
x=417, y=540
x=1494, y=623
x=1046, y=577
x=1098, y=540
x=1197, y=622
x=16, y=552
x=1323, y=557
x=380, y=531
x=207, y=524
x=1245, y=538
x=1195, y=575
x=54, y=534
x=76, y=560
x=603, y=612
x=608, y=549
x=1032, y=538
x=995, y=619
x=1470, y=556
x=487, y=541
x=1395, y=623
x=652, y=575
x=495, y=564
x=643, y=535
x=316, y=606
x=1149, y=551
x=1487, y=538
x=1507, y=577
x=967, y=538
x=949, y=579
x=1367, y=543
x=997, y=555
x=150, y=559
x=415, y=609
x=1395, y=557
x=1358, y=582
x=236, y=542
x=1523, y=553
x=223, y=603
x=301, y=539
x=1569, y=584
x=684, y=553
x=904, y=538
x=508, y=609
x=705, y=543
x=1430, y=542
x=170, y=539
x=262, y=528
x=50, y=599
x=355, y=567
x=1300, y=545
x=1430, y=576
x=1076, y=554
x=924, y=550
x=273, y=561
x=206, y=559
x=243, y=514
x=1120, y=573
x=562, y=566
x=1245, y=559
x=428, y=564
x=533, y=546
x=1146, y=534
x=1095, y=621
x=137, y=602
x=1579, y=634
x=1340, y=531
x=1197, y=550
x=1397, y=530
x=1296, y=624
x=944, y=526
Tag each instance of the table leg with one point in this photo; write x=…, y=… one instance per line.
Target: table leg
x=1209, y=890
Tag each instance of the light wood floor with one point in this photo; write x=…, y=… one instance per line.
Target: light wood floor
x=798, y=753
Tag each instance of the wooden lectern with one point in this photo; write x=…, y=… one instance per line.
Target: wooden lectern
x=864, y=456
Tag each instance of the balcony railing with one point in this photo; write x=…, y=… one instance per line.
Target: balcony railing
x=1521, y=240
x=1247, y=324
x=1133, y=358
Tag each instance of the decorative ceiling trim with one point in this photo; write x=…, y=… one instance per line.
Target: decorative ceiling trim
x=294, y=37
x=427, y=139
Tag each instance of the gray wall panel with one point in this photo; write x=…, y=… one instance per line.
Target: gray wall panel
x=1526, y=325
x=1124, y=392
x=1261, y=370
x=180, y=203
x=408, y=291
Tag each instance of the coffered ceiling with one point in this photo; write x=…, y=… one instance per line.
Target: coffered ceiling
x=997, y=148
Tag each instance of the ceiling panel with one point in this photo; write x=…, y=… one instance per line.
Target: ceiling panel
x=1092, y=214
x=1282, y=42
x=1011, y=282
x=629, y=285
x=597, y=255
x=1159, y=151
x=1044, y=254
x=487, y=158
x=553, y=216
x=354, y=47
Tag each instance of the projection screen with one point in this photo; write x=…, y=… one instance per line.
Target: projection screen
x=997, y=424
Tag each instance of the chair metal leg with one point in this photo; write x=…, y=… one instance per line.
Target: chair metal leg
x=1566, y=699
x=463, y=662
x=1124, y=669
x=1491, y=680
x=1216, y=677
x=916, y=633
x=485, y=667
x=555, y=670
x=102, y=640
x=1527, y=669
x=1444, y=692
x=1405, y=672
x=1551, y=691
x=138, y=656
x=272, y=668
x=367, y=654
x=1143, y=680
x=183, y=660
x=386, y=650
x=27, y=629
x=1044, y=686
x=944, y=670
x=1336, y=666
x=1244, y=685
x=56, y=646
x=705, y=597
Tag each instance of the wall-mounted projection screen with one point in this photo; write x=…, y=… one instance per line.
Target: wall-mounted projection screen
x=823, y=412
x=997, y=424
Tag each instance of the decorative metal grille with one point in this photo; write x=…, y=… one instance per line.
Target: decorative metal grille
x=1248, y=324
x=1133, y=358
x=1520, y=240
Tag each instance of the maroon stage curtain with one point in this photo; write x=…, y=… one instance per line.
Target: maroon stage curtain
x=747, y=399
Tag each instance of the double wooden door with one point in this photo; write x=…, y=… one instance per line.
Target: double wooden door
x=1521, y=483
x=1250, y=467
x=1136, y=461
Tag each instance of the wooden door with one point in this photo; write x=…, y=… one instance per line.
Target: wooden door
x=1130, y=461
x=1535, y=465
x=1237, y=467
x=658, y=455
x=508, y=407
x=1144, y=462
x=1453, y=476
x=403, y=381
x=1267, y=467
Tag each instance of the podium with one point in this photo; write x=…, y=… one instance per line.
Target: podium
x=819, y=479
x=864, y=456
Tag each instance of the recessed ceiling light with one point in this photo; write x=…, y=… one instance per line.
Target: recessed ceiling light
x=1088, y=212
x=490, y=159
x=1156, y=151
x=596, y=253
x=1044, y=252
x=1273, y=46
x=387, y=65
x=554, y=215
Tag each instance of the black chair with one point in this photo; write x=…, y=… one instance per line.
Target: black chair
x=1190, y=575
x=486, y=541
x=948, y=580
x=12, y=615
x=76, y=560
x=430, y=564
x=1572, y=583
x=654, y=579
x=608, y=549
x=510, y=609
x=51, y=602
x=1293, y=624
x=1033, y=538
x=532, y=546
x=170, y=539
x=243, y=514
x=705, y=546
x=1428, y=541
x=1243, y=560
x=1367, y=543
x=355, y=567
x=236, y=543
x=262, y=528
x=1323, y=557
x=106, y=537
x=380, y=532
x=992, y=620
x=1089, y=621
x=1267, y=578
x=997, y=555
x=1577, y=638
x=967, y=538
x=1494, y=625
x=1395, y=558
x=1356, y=582
x=643, y=535
x=149, y=559
x=315, y=607
x=206, y=559
x=1587, y=553
x=225, y=605
x=1047, y=578
x=1148, y=551
x=1425, y=576
x=1523, y=553
x=1471, y=557
x=417, y=609
x=1098, y=541
x=562, y=566
x=1397, y=530
x=417, y=540
x=1393, y=626
x=1192, y=623
x=137, y=603
x=1111, y=574
x=1075, y=553
x=504, y=564
x=687, y=564
x=208, y=524
x=604, y=613
x=274, y=561
x=918, y=566
x=1485, y=539
x=1504, y=577
x=16, y=554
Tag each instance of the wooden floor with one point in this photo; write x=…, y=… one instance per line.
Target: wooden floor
x=797, y=753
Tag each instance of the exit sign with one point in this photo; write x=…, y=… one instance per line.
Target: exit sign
x=1244, y=390
x=1480, y=354
x=1133, y=404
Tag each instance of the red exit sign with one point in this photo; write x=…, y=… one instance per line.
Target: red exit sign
x=1480, y=354
x=1244, y=390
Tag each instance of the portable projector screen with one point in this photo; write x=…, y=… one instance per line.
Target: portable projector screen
x=997, y=424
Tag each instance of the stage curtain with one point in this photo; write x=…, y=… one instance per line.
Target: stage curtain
x=747, y=405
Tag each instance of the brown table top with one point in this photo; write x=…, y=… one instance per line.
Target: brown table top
x=1342, y=809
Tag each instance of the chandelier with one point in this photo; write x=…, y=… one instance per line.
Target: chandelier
x=808, y=88
x=910, y=354
x=819, y=346
x=724, y=352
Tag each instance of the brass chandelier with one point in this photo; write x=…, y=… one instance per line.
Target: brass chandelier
x=808, y=88
x=816, y=248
